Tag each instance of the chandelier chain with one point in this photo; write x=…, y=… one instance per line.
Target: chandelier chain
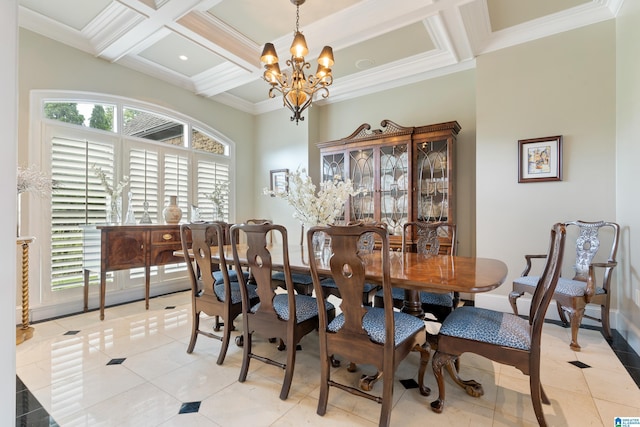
x=297, y=17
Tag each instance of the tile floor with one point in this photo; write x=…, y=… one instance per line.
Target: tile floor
x=132, y=369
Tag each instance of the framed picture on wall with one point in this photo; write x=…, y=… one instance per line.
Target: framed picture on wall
x=279, y=181
x=540, y=159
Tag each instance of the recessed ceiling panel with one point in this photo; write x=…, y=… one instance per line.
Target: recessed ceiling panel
x=263, y=21
x=254, y=92
x=392, y=46
x=507, y=13
x=168, y=51
x=74, y=13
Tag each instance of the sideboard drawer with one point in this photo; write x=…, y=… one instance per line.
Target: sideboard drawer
x=167, y=235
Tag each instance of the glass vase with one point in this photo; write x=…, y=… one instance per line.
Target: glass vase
x=318, y=241
x=114, y=209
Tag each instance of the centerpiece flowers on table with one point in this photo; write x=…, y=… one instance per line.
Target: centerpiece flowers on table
x=313, y=208
x=114, y=195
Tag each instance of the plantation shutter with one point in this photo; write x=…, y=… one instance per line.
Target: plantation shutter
x=79, y=200
x=209, y=174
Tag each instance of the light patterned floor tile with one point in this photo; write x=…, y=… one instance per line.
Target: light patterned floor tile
x=69, y=376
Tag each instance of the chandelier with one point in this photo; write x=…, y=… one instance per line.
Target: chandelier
x=297, y=89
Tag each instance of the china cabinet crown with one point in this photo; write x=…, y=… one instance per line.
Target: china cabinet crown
x=406, y=173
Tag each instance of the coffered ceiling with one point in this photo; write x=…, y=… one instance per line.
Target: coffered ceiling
x=378, y=44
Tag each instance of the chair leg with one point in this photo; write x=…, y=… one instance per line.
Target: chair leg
x=439, y=361
x=387, y=400
x=425, y=353
x=246, y=353
x=217, y=324
x=575, y=317
x=536, y=395
x=561, y=314
x=288, y=373
x=606, y=326
x=226, y=337
x=325, y=377
x=195, y=325
x=513, y=297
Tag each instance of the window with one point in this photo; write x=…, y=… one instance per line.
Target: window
x=159, y=155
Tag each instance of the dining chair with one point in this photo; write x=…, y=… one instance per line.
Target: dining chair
x=366, y=245
x=589, y=285
x=220, y=299
x=502, y=337
x=381, y=337
x=428, y=242
x=287, y=316
x=217, y=273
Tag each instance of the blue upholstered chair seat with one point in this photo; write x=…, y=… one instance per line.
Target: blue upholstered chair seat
x=233, y=276
x=373, y=323
x=444, y=300
x=235, y=292
x=493, y=327
x=303, y=279
x=330, y=283
x=574, y=288
x=306, y=307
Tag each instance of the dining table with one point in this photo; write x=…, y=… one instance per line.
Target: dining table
x=410, y=271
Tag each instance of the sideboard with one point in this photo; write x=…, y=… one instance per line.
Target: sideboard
x=120, y=247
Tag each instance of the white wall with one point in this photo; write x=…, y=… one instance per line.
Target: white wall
x=627, y=171
x=559, y=85
x=9, y=126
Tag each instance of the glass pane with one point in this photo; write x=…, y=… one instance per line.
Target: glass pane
x=433, y=182
x=143, y=124
x=362, y=175
x=394, y=184
x=332, y=165
x=97, y=116
x=204, y=142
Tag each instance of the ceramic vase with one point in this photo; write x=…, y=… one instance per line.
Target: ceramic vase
x=172, y=213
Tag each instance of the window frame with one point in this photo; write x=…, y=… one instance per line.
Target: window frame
x=38, y=220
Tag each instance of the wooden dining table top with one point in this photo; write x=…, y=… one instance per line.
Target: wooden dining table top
x=409, y=270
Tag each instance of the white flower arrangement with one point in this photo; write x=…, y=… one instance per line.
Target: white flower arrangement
x=312, y=209
x=218, y=195
x=111, y=191
x=32, y=179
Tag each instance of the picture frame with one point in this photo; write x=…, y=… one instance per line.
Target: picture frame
x=540, y=159
x=279, y=180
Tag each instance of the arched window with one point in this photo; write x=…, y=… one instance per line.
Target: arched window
x=93, y=143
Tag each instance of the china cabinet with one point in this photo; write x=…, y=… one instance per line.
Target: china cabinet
x=405, y=173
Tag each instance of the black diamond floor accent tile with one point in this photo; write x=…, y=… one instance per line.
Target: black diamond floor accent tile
x=116, y=361
x=189, y=407
x=170, y=307
x=580, y=364
x=410, y=383
x=71, y=332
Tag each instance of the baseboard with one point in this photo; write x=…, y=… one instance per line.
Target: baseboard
x=630, y=332
x=501, y=303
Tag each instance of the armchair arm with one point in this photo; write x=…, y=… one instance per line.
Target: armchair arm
x=591, y=278
x=528, y=258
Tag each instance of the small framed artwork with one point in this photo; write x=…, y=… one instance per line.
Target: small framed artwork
x=279, y=181
x=540, y=159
